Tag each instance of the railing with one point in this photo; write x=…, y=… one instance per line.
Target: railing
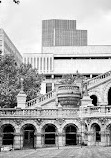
x=95, y=111
x=97, y=79
x=40, y=99
x=40, y=113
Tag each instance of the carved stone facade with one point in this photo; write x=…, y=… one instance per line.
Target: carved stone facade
x=48, y=123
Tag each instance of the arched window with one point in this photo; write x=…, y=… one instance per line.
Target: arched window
x=71, y=135
x=8, y=135
x=94, y=100
x=49, y=135
x=96, y=131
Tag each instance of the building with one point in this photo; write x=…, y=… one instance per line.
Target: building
x=58, y=59
x=7, y=47
x=75, y=105
x=57, y=32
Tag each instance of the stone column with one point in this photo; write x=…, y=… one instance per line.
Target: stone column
x=43, y=88
x=17, y=141
x=103, y=138
x=21, y=97
x=60, y=139
x=38, y=140
x=63, y=139
x=90, y=139
x=21, y=100
x=53, y=86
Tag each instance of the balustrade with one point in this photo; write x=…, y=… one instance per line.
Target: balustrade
x=51, y=113
x=39, y=99
x=98, y=78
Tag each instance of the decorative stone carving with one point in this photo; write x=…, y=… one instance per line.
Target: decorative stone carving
x=38, y=121
x=60, y=121
x=102, y=120
x=89, y=121
x=18, y=121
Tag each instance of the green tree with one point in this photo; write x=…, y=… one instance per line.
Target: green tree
x=31, y=80
x=10, y=81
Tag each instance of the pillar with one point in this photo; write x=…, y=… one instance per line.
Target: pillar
x=60, y=139
x=53, y=86
x=38, y=140
x=43, y=88
x=17, y=141
x=103, y=138
x=90, y=139
x=21, y=100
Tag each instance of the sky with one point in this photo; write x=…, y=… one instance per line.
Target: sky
x=23, y=22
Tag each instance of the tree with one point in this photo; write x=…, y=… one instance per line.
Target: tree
x=10, y=81
x=31, y=80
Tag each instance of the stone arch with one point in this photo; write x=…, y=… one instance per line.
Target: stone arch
x=11, y=122
x=49, y=134
x=70, y=134
x=49, y=122
x=94, y=122
x=28, y=132
x=105, y=91
x=97, y=94
x=32, y=122
x=8, y=132
x=96, y=133
x=73, y=122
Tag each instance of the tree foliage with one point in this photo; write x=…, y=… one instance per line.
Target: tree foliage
x=10, y=81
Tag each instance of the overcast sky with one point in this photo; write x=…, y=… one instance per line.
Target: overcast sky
x=23, y=22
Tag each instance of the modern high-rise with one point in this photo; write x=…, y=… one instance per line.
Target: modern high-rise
x=7, y=47
x=57, y=32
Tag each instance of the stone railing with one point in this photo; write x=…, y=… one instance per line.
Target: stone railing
x=99, y=111
x=39, y=100
x=96, y=111
x=97, y=80
x=38, y=113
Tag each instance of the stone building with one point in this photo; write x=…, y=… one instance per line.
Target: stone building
x=75, y=105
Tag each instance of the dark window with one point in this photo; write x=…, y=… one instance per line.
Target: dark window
x=48, y=87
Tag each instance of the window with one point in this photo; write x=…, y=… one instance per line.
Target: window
x=48, y=87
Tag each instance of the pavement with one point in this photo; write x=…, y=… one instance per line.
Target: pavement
x=62, y=152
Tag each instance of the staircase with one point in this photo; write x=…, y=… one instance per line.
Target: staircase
x=96, y=81
x=91, y=83
x=41, y=100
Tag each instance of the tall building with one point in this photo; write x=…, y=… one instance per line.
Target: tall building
x=7, y=47
x=57, y=32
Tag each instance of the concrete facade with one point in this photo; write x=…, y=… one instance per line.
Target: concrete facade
x=7, y=47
